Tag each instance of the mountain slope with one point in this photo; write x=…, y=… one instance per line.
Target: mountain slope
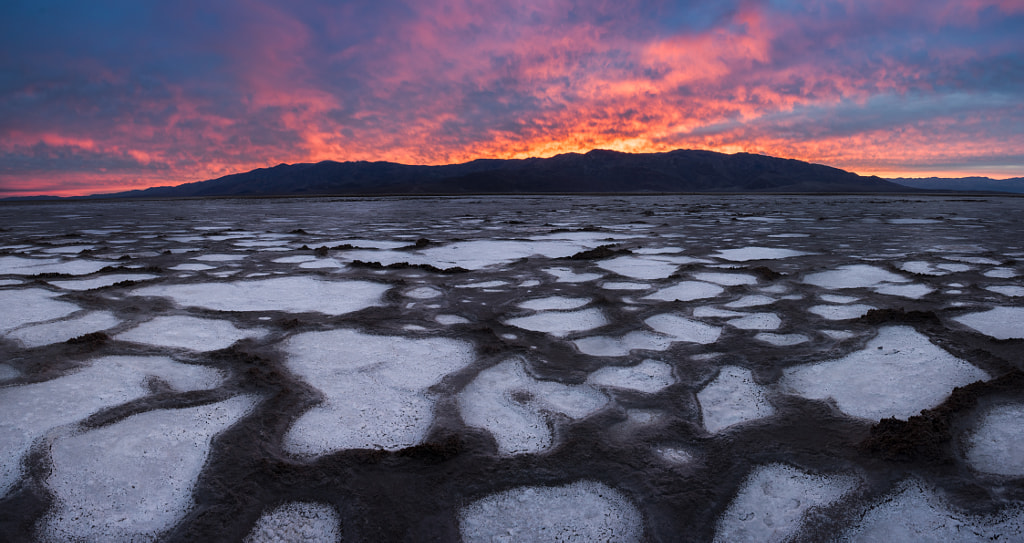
x=964, y=184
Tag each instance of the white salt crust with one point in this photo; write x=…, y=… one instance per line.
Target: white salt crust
x=16, y=265
x=133, y=480
x=450, y=319
x=674, y=455
x=191, y=266
x=997, y=443
x=32, y=410
x=732, y=398
x=1013, y=291
x=565, y=275
x=649, y=376
x=293, y=294
x=102, y=281
x=838, y=298
x=1001, y=273
x=726, y=279
x=999, y=322
x=772, y=502
x=853, y=276
x=704, y=312
x=192, y=333
x=644, y=268
x=914, y=512
x=686, y=291
x=841, y=312
x=914, y=291
x=423, y=293
x=581, y=512
x=374, y=388
x=560, y=303
x=298, y=522
x=561, y=323
x=751, y=300
x=782, y=340
x=36, y=335
x=490, y=284
x=756, y=253
x=757, y=321
x=34, y=305
x=519, y=410
x=671, y=329
x=872, y=383
x=7, y=372
x=218, y=258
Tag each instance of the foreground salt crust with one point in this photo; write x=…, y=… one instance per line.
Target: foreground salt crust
x=192, y=333
x=686, y=291
x=841, y=312
x=561, y=323
x=374, y=387
x=32, y=410
x=746, y=254
x=772, y=502
x=37, y=335
x=999, y=322
x=34, y=305
x=916, y=513
x=649, y=376
x=102, y=281
x=293, y=294
x=640, y=267
x=670, y=329
x=871, y=383
x=133, y=480
x=16, y=265
x=581, y=512
x=733, y=398
x=997, y=444
x=854, y=276
x=558, y=303
x=298, y=522
x=517, y=409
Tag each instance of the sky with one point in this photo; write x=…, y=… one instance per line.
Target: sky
x=104, y=96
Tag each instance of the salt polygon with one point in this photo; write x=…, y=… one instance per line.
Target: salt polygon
x=733, y=398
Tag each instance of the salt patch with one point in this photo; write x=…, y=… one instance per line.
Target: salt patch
x=1007, y=290
x=1001, y=273
x=638, y=267
x=657, y=250
x=686, y=291
x=478, y=254
x=191, y=266
x=294, y=259
x=622, y=346
x=374, y=389
x=293, y=294
x=751, y=300
x=772, y=502
x=191, y=333
x=871, y=383
x=298, y=522
x=31, y=410
x=726, y=279
x=954, y=268
x=674, y=455
x=218, y=258
x=371, y=243
x=853, y=276
x=578, y=512
x=997, y=444
x=525, y=284
x=782, y=340
x=59, y=331
x=519, y=410
x=625, y=285
x=757, y=321
x=68, y=249
x=841, y=312
x=714, y=312
x=973, y=260
x=561, y=323
x=16, y=265
x=423, y=293
x=9, y=282
x=489, y=284
x=565, y=275
x=756, y=253
x=999, y=322
x=732, y=398
x=838, y=299
x=914, y=291
x=102, y=281
x=321, y=263
x=649, y=376
x=838, y=335
x=451, y=319
x=554, y=302
x=133, y=480
x=34, y=305
x=922, y=268
x=7, y=372
x=913, y=221
x=683, y=329
x=912, y=513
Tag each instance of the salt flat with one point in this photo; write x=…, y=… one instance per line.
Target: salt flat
x=698, y=368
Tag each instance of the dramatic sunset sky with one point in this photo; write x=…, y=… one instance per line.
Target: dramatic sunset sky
x=101, y=96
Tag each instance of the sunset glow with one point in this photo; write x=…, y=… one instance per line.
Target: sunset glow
x=109, y=96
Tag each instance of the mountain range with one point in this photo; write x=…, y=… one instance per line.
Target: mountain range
x=597, y=171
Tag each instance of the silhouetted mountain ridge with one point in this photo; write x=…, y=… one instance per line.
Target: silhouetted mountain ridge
x=597, y=171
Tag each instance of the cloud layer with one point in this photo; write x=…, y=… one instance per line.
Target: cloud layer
x=112, y=95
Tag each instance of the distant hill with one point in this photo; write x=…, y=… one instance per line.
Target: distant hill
x=594, y=172
x=964, y=184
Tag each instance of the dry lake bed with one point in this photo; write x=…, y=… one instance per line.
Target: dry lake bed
x=670, y=368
